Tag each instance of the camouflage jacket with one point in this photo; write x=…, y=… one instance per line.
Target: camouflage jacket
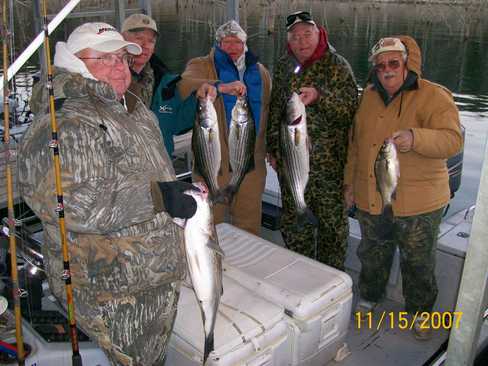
x=328, y=119
x=142, y=86
x=108, y=159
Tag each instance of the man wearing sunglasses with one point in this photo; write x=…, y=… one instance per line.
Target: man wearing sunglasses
x=120, y=197
x=423, y=122
x=327, y=87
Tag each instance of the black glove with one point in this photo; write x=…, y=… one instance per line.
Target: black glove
x=169, y=197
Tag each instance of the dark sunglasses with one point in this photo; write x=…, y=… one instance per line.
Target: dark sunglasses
x=303, y=15
x=392, y=64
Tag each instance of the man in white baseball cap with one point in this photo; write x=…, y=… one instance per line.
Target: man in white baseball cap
x=125, y=253
x=98, y=51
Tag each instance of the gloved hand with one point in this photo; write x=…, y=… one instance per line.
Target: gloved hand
x=169, y=197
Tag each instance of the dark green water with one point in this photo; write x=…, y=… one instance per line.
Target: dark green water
x=454, y=39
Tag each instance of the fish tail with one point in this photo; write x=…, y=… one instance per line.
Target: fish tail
x=218, y=197
x=388, y=210
x=229, y=193
x=209, y=346
x=306, y=217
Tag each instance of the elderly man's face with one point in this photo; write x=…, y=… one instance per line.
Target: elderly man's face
x=110, y=67
x=232, y=46
x=145, y=38
x=303, y=39
x=391, y=70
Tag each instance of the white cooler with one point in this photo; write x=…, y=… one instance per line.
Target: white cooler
x=249, y=331
x=317, y=298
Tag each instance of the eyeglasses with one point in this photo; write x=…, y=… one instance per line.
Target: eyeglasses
x=392, y=64
x=303, y=15
x=111, y=59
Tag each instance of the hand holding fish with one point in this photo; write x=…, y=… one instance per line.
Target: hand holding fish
x=207, y=90
x=403, y=139
x=308, y=95
x=234, y=88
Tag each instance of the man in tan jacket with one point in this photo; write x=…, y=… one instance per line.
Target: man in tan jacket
x=235, y=71
x=423, y=122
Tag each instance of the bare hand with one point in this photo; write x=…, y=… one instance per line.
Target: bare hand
x=403, y=140
x=308, y=95
x=272, y=161
x=207, y=90
x=348, y=196
x=234, y=88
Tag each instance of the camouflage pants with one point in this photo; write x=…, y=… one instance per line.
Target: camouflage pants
x=325, y=199
x=416, y=237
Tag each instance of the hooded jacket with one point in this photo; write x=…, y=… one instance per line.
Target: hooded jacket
x=121, y=251
x=428, y=109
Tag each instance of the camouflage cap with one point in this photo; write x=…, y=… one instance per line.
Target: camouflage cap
x=231, y=28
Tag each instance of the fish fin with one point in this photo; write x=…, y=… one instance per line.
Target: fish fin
x=208, y=347
x=212, y=244
x=179, y=221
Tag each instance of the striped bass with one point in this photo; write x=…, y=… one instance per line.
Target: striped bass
x=206, y=146
x=242, y=137
x=387, y=172
x=204, y=258
x=295, y=150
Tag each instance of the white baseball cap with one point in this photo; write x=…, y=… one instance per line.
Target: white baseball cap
x=100, y=37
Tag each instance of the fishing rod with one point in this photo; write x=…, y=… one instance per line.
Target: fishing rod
x=19, y=339
x=54, y=145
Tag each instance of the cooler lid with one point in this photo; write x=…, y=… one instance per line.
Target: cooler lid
x=242, y=316
x=300, y=284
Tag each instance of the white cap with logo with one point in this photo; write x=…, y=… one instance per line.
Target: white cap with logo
x=100, y=37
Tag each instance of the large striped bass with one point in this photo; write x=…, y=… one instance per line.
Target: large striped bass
x=242, y=138
x=295, y=151
x=204, y=257
x=387, y=172
x=206, y=146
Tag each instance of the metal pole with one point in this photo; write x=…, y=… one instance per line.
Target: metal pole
x=119, y=13
x=146, y=6
x=472, y=297
x=37, y=42
x=37, y=29
x=233, y=10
